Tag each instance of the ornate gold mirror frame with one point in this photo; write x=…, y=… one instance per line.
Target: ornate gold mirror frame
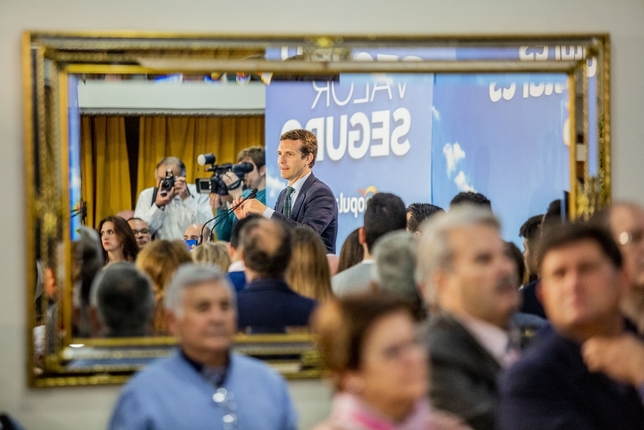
x=50, y=57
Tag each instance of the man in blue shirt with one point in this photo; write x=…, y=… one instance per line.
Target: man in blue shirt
x=204, y=385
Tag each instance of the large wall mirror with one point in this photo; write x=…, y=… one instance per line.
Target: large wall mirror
x=521, y=119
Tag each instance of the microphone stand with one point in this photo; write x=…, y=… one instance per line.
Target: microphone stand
x=219, y=218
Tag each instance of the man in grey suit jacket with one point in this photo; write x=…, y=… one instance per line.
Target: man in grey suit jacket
x=470, y=284
x=385, y=212
x=307, y=200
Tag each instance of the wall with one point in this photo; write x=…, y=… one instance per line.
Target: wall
x=87, y=408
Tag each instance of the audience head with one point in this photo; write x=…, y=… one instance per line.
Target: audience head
x=385, y=212
x=517, y=257
x=394, y=257
x=256, y=156
x=352, y=252
x=201, y=310
x=368, y=343
x=123, y=300
x=419, y=212
x=308, y=271
x=215, y=253
x=626, y=223
x=160, y=259
x=530, y=231
x=556, y=214
x=193, y=232
x=117, y=239
x=266, y=248
x=464, y=268
x=472, y=198
x=141, y=231
x=582, y=280
x=234, y=246
x=87, y=260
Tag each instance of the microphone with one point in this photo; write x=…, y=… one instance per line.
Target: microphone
x=204, y=159
x=221, y=217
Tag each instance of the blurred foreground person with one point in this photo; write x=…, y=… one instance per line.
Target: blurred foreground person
x=622, y=357
x=369, y=345
x=470, y=283
x=204, y=385
x=550, y=387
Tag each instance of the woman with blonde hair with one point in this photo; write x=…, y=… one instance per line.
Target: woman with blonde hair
x=308, y=272
x=368, y=343
x=159, y=259
x=215, y=253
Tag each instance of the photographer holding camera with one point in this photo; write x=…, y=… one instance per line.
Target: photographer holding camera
x=173, y=205
x=253, y=179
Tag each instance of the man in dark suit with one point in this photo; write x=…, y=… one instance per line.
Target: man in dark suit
x=470, y=285
x=267, y=304
x=306, y=200
x=550, y=387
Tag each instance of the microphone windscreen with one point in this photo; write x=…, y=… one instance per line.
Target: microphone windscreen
x=204, y=159
x=253, y=194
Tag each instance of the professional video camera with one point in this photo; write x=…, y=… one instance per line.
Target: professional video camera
x=215, y=184
x=167, y=183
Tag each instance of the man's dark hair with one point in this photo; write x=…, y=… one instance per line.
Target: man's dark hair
x=173, y=161
x=124, y=299
x=308, y=139
x=556, y=214
x=255, y=153
x=471, y=197
x=266, y=252
x=234, y=234
x=419, y=213
x=558, y=236
x=531, y=229
x=385, y=212
x=515, y=254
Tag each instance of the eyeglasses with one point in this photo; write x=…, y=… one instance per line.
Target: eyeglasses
x=630, y=237
x=142, y=231
x=225, y=399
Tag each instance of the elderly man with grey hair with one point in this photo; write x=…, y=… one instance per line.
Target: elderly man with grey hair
x=470, y=282
x=394, y=267
x=204, y=385
x=121, y=301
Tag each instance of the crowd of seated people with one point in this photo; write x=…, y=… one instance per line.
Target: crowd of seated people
x=432, y=320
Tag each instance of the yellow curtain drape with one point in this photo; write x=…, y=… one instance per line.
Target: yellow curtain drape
x=187, y=137
x=105, y=167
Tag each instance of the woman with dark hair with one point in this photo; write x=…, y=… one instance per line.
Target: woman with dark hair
x=308, y=272
x=351, y=253
x=368, y=343
x=117, y=239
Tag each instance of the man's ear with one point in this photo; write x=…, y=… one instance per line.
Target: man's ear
x=171, y=322
x=362, y=236
x=262, y=171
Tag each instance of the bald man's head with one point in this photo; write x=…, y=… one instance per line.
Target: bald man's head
x=266, y=246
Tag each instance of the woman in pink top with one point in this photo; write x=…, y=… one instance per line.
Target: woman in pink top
x=369, y=345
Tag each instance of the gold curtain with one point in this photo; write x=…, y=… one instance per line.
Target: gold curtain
x=104, y=167
x=187, y=137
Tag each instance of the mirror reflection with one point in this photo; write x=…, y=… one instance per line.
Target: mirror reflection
x=167, y=162
x=158, y=156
